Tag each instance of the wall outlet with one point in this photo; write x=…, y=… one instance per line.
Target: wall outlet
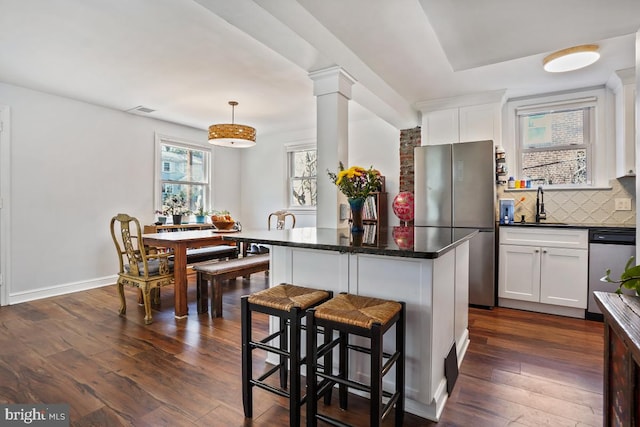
x=623, y=204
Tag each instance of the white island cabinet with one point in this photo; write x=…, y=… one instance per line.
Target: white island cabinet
x=431, y=277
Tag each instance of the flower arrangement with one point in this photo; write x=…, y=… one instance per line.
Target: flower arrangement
x=356, y=182
x=175, y=204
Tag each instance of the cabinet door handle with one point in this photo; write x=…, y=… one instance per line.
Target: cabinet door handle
x=544, y=252
x=537, y=250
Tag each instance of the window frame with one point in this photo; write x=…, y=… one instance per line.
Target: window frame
x=160, y=141
x=598, y=167
x=588, y=108
x=289, y=149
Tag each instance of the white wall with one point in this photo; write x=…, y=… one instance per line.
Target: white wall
x=264, y=178
x=376, y=143
x=372, y=142
x=73, y=166
x=227, y=179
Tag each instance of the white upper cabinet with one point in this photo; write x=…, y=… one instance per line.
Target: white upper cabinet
x=623, y=85
x=463, y=119
x=442, y=127
x=480, y=122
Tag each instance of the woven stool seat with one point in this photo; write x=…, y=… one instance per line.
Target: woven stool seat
x=357, y=310
x=285, y=297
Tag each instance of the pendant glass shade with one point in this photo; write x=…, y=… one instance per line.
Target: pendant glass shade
x=231, y=134
x=572, y=58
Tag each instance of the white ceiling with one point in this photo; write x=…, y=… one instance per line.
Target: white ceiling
x=187, y=58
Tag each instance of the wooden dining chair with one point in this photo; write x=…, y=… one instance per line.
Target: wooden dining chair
x=281, y=219
x=140, y=267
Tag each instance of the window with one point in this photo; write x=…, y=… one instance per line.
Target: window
x=184, y=169
x=554, y=142
x=302, y=164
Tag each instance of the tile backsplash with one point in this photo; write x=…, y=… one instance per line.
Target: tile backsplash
x=577, y=206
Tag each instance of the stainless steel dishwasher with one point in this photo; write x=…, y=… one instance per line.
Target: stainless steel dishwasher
x=608, y=248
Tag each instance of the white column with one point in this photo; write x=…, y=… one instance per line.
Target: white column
x=332, y=88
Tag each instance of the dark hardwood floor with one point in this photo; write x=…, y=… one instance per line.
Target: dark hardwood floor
x=522, y=369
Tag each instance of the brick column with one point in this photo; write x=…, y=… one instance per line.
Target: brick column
x=409, y=139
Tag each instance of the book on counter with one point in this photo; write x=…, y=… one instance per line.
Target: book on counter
x=369, y=237
x=370, y=210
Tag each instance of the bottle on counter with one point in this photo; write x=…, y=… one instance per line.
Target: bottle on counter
x=511, y=183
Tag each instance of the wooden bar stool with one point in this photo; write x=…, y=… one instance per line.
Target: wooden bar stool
x=289, y=303
x=365, y=317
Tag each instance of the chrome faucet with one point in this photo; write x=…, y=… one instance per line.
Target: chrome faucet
x=540, y=213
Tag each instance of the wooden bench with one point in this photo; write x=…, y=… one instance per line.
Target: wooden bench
x=209, y=253
x=216, y=272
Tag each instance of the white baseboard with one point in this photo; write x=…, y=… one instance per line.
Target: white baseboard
x=67, y=288
x=542, y=308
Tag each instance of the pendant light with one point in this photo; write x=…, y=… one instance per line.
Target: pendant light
x=572, y=58
x=231, y=134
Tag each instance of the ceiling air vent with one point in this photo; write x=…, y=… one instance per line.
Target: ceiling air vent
x=140, y=110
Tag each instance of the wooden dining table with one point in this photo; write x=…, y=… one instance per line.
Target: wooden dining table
x=179, y=242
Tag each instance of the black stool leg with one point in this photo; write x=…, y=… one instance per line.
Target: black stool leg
x=247, y=392
x=343, y=368
x=312, y=365
x=295, y=340
x=400, y=364
x=376, y=375
x=328, y=362
x=284, y=346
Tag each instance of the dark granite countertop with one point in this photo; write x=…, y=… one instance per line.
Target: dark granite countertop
x=408, y=242
x=586, y=226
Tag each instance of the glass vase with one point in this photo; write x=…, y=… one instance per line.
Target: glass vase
x=356, y=214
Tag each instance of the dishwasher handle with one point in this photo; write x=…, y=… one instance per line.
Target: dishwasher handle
x=612, y=237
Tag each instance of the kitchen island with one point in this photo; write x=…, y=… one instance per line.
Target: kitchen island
x=427, y=267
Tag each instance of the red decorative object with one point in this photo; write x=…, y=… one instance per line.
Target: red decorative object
x=403, y=206
x=403, y=236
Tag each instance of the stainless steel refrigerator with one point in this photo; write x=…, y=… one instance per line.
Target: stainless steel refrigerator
x=455, y=187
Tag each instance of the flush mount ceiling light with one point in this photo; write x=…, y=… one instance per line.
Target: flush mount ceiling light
x=572, y=58
x=231, y=134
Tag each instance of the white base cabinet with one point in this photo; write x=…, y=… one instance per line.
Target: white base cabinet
x=519, y=273
x=543, y=270
x=564, y=277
